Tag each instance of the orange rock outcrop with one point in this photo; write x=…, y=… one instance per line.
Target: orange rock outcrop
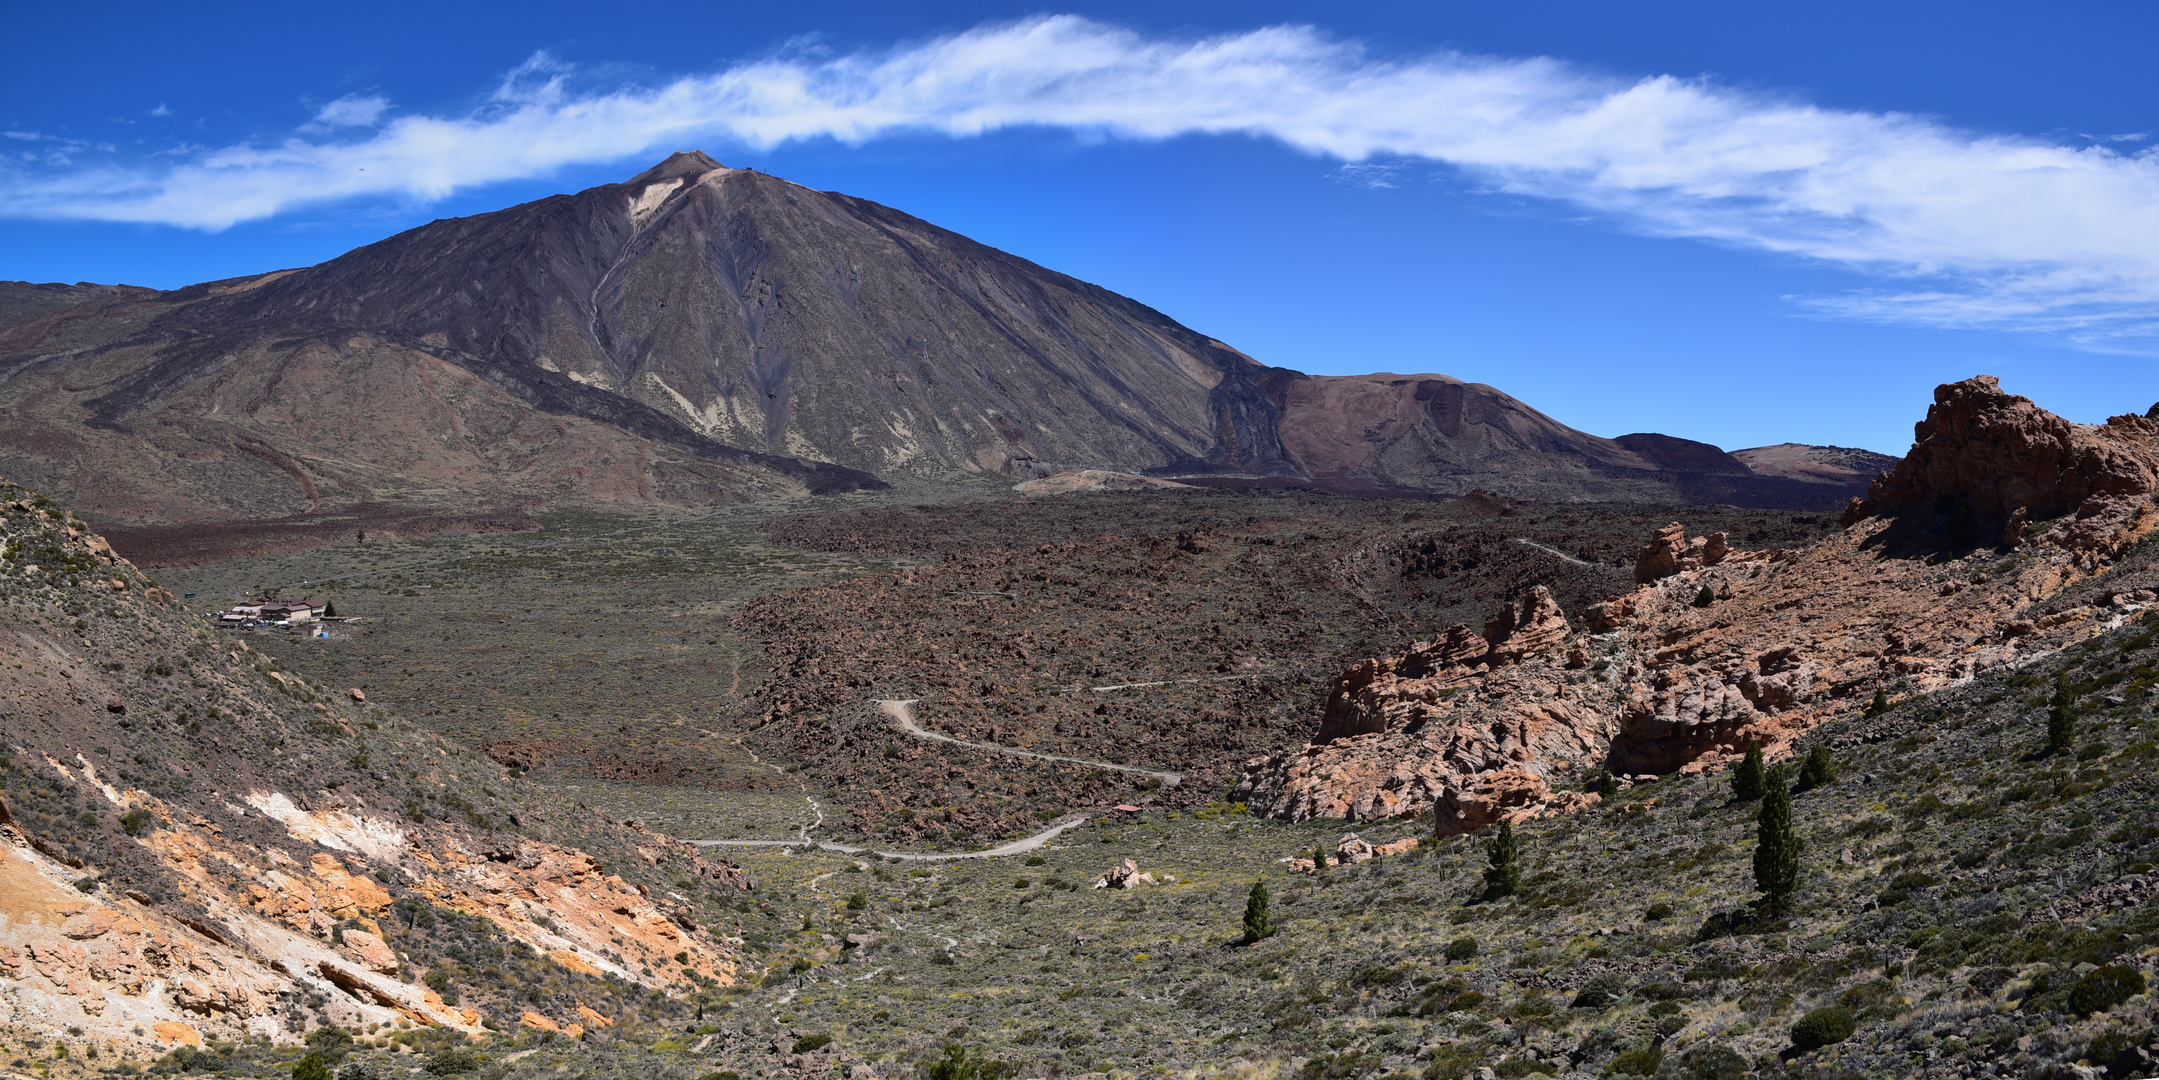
x=1717, y=648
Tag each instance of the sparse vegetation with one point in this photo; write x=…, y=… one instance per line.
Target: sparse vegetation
x=1906, y=911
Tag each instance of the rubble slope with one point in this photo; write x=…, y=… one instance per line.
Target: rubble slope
x=201, y=844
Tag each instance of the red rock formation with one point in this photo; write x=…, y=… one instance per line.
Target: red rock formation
x=1790, y=638
x=1532, y=625
x=1363, y=694
x=1998, y=453
x=1669, y=551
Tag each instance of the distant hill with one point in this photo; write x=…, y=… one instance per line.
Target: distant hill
x=700, y=335
x=1819, y=464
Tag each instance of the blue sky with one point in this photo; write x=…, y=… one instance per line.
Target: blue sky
x=1743, y=224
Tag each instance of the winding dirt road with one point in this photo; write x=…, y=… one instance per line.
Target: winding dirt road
x=1548, y=550
x=902, y=713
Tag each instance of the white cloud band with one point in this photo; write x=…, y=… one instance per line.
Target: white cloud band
x=1984, y=229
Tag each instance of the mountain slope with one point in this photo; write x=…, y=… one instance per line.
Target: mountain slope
x=1440, y=434
x=202, y=845
x=700, y=335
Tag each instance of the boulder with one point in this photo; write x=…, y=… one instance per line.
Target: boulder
x=371, y=951
x=1125, y=875
x=1997, y=453
x=1531, y=625
x=1660, y=558
x=1670, y=552
x=1352, y=849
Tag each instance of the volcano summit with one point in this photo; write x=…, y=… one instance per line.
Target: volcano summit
x=700, y=335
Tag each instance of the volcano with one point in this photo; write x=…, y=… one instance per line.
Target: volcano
x=702, y=334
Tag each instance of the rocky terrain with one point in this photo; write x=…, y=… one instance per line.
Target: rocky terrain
x=1373, y=680
x=703, y=336
x=1718, y=647
x=1176, y=630
x=203, y=845
x=1975, y=905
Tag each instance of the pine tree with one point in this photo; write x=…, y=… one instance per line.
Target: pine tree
x=1258, y=924
x=2061, y=715
x=1705, y=597
x=1818, y=769
x=329, y=610
x=1879, y=705
x=1504, y=876
x=1319, y=860
x=1776, y=848
x=1747, y=778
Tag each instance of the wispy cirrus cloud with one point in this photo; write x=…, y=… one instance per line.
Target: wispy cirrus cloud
x=1962, y=228
x=352, y=110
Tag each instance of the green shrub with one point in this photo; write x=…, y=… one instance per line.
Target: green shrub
x=1818, y=770
x=1705, y=597
x=1903, y=885
x=1658, y=912
x=1599, y=992
x=333, y=1043
x=451, y=1061
x=2104, y=988
x=2101, y=1050
x=439, y=981
x=1877, y=706
x=1875, y=1000
x=136, y=821
x=1600, y=781
x=1461, y=949
x=310, y=1067
x=1642, y=1062
x=1825, y=1026
x=186, y=1059
x=857, y=901
x=808, y=1043
x=958, y=1065
x=1708, y=1061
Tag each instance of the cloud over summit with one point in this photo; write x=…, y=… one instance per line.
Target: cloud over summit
x=1961, y=228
